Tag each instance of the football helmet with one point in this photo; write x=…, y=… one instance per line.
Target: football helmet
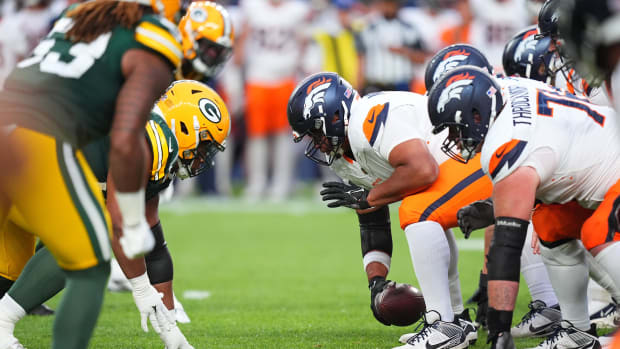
x=465, y=100
x=170, y=9
x=588, y=27
x=207, y=38
x=320, y=107
x=529, y=56
x=548, y=19
x=451, y=57
x=199, y=119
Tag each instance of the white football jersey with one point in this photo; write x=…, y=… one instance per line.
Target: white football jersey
x=571, y=143
x=275, y=39
x=495, y=23
x=19, y=34
x=379, y=122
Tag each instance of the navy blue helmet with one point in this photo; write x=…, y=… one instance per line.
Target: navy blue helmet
x=528, y=55
x=320, y=108
x=588, y=29
x=451, y=57
x=464, y=100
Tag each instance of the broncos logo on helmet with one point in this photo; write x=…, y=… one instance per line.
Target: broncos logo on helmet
x=316, y=95
x=454, y=89
x=451, y=57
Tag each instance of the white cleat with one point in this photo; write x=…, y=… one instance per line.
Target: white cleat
x=471, y=331
x=606, y=317
x=179, y=311
x=437, y=334
x=8, y=341
x=566, y=336
x=118, y=281
x=540, y=321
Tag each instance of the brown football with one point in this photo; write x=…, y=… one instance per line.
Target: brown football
x=401, y=304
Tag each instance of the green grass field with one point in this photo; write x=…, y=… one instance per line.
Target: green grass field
x=278, y=276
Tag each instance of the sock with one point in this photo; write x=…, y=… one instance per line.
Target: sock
x=430, y=254
x=283, y=166
x=568, y=271
x=10, y=313
x=40, y=280
x=535, y=274
x=256, y=171
x=80, y=306
x=5, y=284
x=609, y=260
x=603, y=286
x=456, y=297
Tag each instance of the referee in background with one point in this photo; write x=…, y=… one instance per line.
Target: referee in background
x=390, y=49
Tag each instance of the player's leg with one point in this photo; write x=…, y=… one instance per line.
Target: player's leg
x=159, y=266
x=564, y=257
x=17, y=247
x=256, y=148
x=425, y=217
x=603, y=296
x=59, y=198
x=283, y=153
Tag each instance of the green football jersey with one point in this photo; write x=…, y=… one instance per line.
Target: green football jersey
x=164, y=148
x=69, y=90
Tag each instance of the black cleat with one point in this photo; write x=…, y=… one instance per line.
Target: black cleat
x=503, y=340
x=41, y=310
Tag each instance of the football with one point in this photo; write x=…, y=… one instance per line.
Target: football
x=400, y=304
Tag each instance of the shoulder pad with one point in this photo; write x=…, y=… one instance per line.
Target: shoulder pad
x=164, y=146
x=504, y=159
x=160, y=35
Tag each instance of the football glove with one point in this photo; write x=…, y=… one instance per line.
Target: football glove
x=150, y=305
x=476, y=215
x=376, y=286
x=174, y=339
x=341, y=194
x=137, y=239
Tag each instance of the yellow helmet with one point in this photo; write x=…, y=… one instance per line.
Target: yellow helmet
x=167, y=8
x=207, y=37
x=199, y=119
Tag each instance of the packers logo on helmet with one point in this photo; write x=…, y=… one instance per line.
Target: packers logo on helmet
x=199, y=119
x=207, y=38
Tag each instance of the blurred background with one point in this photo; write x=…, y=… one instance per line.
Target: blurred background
x=374, y=44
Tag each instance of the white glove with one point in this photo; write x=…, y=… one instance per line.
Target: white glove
x=149, y=303
x=174, y=339
x=137, y=239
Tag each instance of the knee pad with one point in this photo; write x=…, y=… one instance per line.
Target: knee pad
x=505, y=252
x=376, y=236
x=158, y=261
x=566, y=254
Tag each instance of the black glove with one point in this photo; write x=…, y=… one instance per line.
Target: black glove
x=350, y=196
x=476, y=215
x=376, y=286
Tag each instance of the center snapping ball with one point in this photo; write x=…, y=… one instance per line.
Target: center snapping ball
x=400, y=304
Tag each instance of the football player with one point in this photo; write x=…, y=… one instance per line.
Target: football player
x=385, y=140
x=205, y=25
x=79, y=85
x=537, y=143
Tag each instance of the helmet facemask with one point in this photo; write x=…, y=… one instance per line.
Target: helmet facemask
x=321, y=149
x=193, y=162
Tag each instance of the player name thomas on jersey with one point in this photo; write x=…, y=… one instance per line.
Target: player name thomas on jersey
x=571, y=143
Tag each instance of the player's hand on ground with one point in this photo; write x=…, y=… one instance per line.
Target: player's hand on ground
x=376, y=286
x=137, y=240
x=476, y=215
x=150, y=305
x=340, y=194
x=174, y=339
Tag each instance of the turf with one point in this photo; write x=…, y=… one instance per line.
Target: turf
x=278, y=276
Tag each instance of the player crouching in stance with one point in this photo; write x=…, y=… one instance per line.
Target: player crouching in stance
x=383, y=143
x=187, y=127
x=537, y=143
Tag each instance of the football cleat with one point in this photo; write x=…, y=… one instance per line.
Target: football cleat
x=469, y=328
x=437, y=334
x=606, y=317
x=566, y=336
x=540, y=321
x=8, y=341
x=118, y=281
x=41, y=310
